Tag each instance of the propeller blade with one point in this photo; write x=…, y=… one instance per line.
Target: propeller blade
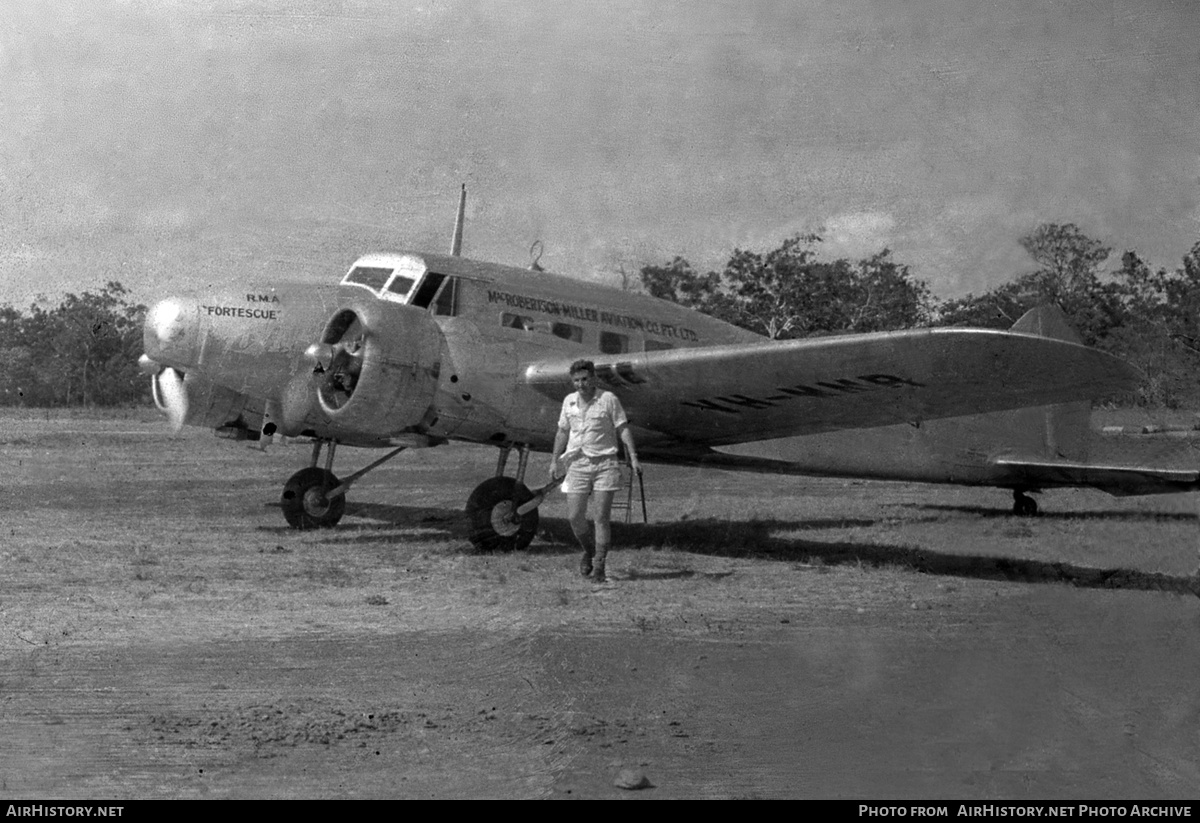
x=174, y=397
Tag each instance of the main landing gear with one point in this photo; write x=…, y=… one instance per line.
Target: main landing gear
x=1023, y=504
x=314, y=498
x=495, y=523
x=306, y=501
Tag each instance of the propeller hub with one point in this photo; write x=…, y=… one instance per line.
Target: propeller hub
x=171, y=334
x=148, y=367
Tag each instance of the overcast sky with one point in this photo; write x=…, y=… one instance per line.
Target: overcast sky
x=180, y=144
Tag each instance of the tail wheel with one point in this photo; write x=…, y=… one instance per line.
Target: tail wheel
x=1024, y=505
x=304, y=503
x=491, y=510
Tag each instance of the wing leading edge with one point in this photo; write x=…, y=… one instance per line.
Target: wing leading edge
x=744, y=392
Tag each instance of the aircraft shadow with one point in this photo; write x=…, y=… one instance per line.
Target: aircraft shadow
x=384, y=518
x=985, y=511
x=758, y=539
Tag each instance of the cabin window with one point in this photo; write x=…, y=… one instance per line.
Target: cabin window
x=520, y=321
x=567, y=332
x=373, y=277
x=427, y=290
x=613, y=343
x=533, y=324
x=657, y=345
x=446, y=302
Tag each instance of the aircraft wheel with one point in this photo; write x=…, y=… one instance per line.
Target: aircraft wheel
x=490, y=511
x=304, y=503
x=1024, y=505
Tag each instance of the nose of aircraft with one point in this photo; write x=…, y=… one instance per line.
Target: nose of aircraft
x=171, y=334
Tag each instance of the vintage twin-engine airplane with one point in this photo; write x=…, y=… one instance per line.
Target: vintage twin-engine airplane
x=414, y=350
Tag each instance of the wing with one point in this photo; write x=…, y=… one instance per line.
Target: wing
x=751, y=391
x=1116, y=480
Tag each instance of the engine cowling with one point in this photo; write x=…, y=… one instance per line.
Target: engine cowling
x=373, y=375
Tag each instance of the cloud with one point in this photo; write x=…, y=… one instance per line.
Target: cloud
x=857, y=234
x=168, y=219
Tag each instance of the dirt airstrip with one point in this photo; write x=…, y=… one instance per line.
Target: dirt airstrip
x=164, y=635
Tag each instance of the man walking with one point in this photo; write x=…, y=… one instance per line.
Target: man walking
x=589, y=427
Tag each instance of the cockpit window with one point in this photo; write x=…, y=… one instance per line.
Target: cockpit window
x=401, y=285
x=372, y=277
x=446, y=298
x=429, y=287
x=391, y=277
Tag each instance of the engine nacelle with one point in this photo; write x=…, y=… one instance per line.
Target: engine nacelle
x=374, y=375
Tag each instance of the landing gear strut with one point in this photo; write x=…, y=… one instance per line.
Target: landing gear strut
x=314, y=498
x=1023, y=504
x=492, y=509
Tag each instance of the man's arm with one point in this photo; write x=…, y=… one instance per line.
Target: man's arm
x=631, y=450
x=560, y=445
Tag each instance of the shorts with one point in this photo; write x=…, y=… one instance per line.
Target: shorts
x=588, y=474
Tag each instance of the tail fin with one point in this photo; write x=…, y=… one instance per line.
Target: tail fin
x=1059, y=431
x=1046, y=321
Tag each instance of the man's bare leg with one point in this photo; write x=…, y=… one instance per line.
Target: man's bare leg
x=603, y=514
x=577, y=514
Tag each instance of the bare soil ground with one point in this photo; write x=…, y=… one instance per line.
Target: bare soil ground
x=164, y=635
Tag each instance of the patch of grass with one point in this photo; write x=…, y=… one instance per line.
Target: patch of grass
x=715, y=625
x=329, y=574
x=672, y=559
x=644, y=624
x=142, y=556
x=198, y=585
x=1017, y=530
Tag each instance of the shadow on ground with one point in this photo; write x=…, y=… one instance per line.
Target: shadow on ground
x=985, y=511
x=761, y=539
x=767, y=539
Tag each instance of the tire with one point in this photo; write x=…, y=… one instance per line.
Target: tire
x=488, y=507
x=304, y=503
x=1024, y=506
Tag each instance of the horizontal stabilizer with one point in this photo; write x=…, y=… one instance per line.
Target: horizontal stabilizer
x=1116, y=480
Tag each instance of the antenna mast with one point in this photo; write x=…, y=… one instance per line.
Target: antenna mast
x=456, y=243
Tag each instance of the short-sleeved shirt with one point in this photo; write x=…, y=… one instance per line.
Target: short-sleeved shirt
x=593, y=426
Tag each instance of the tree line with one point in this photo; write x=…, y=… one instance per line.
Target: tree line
x=83, y=352
x=1149, y=317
